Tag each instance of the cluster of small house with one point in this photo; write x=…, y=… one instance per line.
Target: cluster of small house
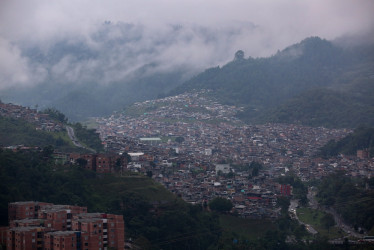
x=212, y=134
x=42, y=121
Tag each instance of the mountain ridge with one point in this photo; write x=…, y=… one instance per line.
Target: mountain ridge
x=270, y=88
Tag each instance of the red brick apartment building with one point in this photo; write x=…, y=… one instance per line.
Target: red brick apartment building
x=38, y=225
x=101, y=163
x=363, y=154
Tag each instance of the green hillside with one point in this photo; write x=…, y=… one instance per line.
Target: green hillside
x=323, y=107
x=350, y=198
x=19, y=132
x=152, y=215
x=15, y=132
x=313, y=82
x=361, y=138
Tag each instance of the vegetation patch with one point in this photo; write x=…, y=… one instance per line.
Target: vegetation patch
x=361, y=139
x=350, y=198
x=19, y=132
x=246, y=228
x=88, y=137
x=320, y=221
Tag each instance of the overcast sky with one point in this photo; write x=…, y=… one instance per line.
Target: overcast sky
x=258, y=27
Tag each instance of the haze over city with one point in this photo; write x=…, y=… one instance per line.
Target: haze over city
x=175, y=124
x=195, y=34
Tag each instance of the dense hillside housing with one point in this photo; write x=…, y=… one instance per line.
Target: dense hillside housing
x=40, y=120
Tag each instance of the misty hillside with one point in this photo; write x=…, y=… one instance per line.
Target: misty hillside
x=313, y=82
x=114, y=66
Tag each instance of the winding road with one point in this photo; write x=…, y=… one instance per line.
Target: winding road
x=338, y=220
x=292, y=210
x=72, y=137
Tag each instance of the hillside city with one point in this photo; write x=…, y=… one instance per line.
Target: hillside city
x=198, y=149
x=186, y=125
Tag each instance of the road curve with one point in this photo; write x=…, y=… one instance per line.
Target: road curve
x=72, y=137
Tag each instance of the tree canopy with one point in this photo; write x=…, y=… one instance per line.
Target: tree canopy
x=361, y=138
x=220, y=204
x=349, y=198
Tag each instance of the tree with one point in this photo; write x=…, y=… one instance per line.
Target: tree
x=220, y=204
x=284, y=203
x=255, y=166
x=327, y=221
x=82, y=162
x=230, y=175
x=239, y=55
x=59, y=142
x=55, y=114
x=179, y=139
x=149, y=174
x=127, y=157
x=48, y=151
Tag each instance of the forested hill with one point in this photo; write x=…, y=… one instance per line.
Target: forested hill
x=279, y=88
x=362, y=138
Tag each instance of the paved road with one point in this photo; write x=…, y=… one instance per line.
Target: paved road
x=338, y=220
x=72, y=137
x=293, y=214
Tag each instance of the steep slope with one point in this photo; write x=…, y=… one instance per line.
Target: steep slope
x=267, y=81
x=115, y=64
x=151, y=213
x=313, y=82
x=325, y=107
x=362, y=138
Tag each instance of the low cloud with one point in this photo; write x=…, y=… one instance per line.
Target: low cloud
x=16, y=69
x=94, y=41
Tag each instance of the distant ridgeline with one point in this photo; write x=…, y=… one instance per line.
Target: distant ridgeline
x=313, y=82
x=362, y=139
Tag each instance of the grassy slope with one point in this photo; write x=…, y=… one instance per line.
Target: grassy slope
x=313, y=218
x=17, y=132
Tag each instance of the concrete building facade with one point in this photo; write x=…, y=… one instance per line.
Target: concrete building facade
x=37, y=225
